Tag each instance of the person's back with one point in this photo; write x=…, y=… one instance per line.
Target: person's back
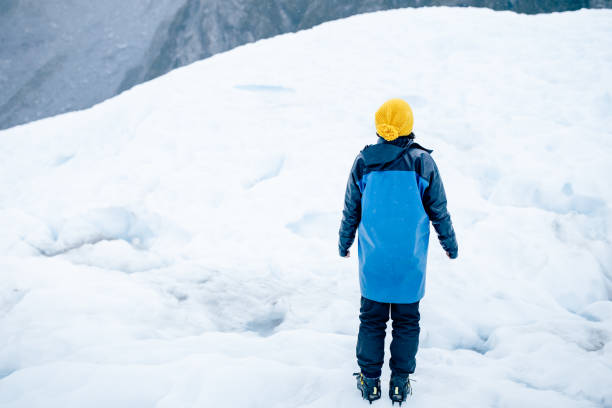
x=394, y=191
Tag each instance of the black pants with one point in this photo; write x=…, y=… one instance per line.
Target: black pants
x=371, y=340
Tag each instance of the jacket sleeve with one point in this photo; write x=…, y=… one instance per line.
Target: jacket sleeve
x=434, y=202
x=351, y=215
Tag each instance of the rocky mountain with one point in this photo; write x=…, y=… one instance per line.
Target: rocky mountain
x=63, y=55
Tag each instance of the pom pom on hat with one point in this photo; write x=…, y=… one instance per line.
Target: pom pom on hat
x=387, y=132
x=394, y=119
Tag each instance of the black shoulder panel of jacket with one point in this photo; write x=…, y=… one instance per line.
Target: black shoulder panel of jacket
x=418, y=146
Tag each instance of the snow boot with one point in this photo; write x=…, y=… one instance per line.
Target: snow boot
x=399, y=389
x=369, y=387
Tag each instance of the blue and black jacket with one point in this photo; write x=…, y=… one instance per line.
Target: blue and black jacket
x=393, y=191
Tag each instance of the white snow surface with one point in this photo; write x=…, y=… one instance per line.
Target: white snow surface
x=176, y=246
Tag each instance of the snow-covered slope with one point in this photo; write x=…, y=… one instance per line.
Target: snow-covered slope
x=176, y=246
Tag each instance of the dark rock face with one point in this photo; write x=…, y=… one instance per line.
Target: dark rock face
x=62, y=55
x=59, y=55
x=200, y=29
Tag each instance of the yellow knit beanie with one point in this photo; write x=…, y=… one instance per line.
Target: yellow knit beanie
x=394, y=119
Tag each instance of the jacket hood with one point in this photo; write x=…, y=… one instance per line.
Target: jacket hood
x=381, y=153
x=387, y=151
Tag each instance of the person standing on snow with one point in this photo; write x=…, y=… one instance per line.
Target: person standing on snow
x=393, y=192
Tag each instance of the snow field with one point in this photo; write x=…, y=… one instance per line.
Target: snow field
x=176, y=245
